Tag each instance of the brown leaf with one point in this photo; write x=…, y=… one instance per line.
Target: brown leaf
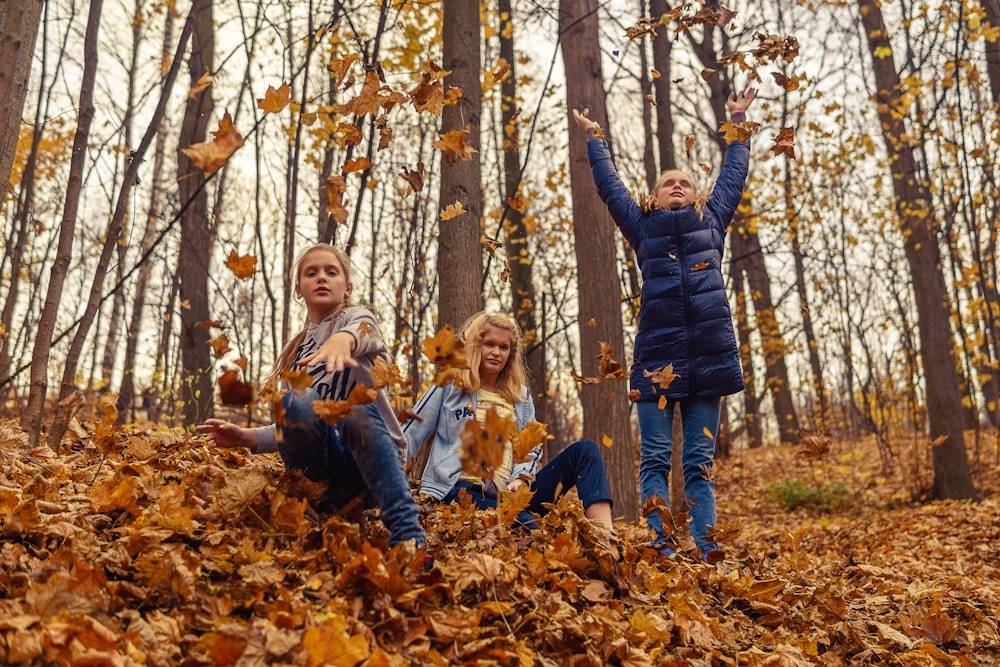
x=209, y=156
x=220, y=345
x=233, y=391
x=484, y=443
x=455, y=145
x=275, y=99
x=784, y=143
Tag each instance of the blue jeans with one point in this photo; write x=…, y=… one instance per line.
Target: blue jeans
x=699, y=418
x=355, y=456
x=578, y=465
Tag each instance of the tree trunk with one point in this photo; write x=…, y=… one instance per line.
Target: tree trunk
x=751, y=401
x=67, y=229
x=605, y=407
x=992, y=8
x=114, y=231
x=460, y=254
x=197, y=391
x=919, y=229
x=18, y=30
x=522, y=287
x=661, y=85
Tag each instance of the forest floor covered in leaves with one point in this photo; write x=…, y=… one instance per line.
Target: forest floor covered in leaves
x=146, y=546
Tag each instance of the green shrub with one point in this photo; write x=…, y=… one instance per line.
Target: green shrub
x=794, y=493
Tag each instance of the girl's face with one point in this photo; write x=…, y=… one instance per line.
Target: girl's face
x=495, y=348
x=322, y=284
x=675, y=190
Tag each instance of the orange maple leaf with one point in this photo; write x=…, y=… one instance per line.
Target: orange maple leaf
x=484, y=443
x=663, y=376
x=429, y=93
x=455, y=145
x=529, y=438
x=242, y=267
x=210, y=155
x=356, y=165
x=786, y=82
x=219, y=345
x=338, y=68
x=275, y=100
x=446, y=352
x=298, y=380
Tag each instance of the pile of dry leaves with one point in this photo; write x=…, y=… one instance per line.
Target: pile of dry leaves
x=149, y=547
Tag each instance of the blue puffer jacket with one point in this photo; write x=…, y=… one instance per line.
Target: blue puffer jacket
x=684, y=317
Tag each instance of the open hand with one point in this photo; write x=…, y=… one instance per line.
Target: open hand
x=739, y=102
x=583, y=122
x=336, y=353
x=228, y=435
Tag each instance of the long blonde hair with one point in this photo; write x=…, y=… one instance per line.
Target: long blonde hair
x=291, y=348
x=514, y=376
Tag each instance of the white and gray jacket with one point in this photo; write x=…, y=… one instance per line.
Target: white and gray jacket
x=442, y=412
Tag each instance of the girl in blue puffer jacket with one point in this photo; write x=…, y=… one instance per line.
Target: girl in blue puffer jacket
x=685, y=349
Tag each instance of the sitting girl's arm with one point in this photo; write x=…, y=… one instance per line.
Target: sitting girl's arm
x=228, y=435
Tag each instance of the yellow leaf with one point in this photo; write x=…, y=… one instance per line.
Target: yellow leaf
x=453, y=211
x=455, y=145
x=607, y=441
x=883, y=52
x=708, y=434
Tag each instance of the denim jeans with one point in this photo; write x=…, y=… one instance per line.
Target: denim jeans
x=699, y=418
x=355, y=456
x=578, y=465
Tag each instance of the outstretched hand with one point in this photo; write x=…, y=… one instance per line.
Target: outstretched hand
x=583, y=122
x=739, y=102
x=336, y=353
x=228, y=435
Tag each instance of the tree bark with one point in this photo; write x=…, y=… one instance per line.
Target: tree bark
x=522, y=286
x=919, y=228
x=19, y=21
x=661, y=86
x=605, y=407
x=197, y=391
x=67, y=229
x=751, y=401
x=992, y=8
x=460, y=254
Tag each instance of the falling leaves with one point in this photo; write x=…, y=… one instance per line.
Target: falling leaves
x=233, y=391
x=608, y=368
x=484, y=443
x=414, y=177
x=446, y=352
x=784, y=143
x=662, y=377
x=814, y=445
x=738, y=131
x=275, y=99
x=201, y=84
x=209, y=156
x=452, y=211
x=455, y=145
x=531, y=437
x=243, y=267
x=334, y=189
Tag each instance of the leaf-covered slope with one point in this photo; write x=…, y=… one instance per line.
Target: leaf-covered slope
x=163, y=551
